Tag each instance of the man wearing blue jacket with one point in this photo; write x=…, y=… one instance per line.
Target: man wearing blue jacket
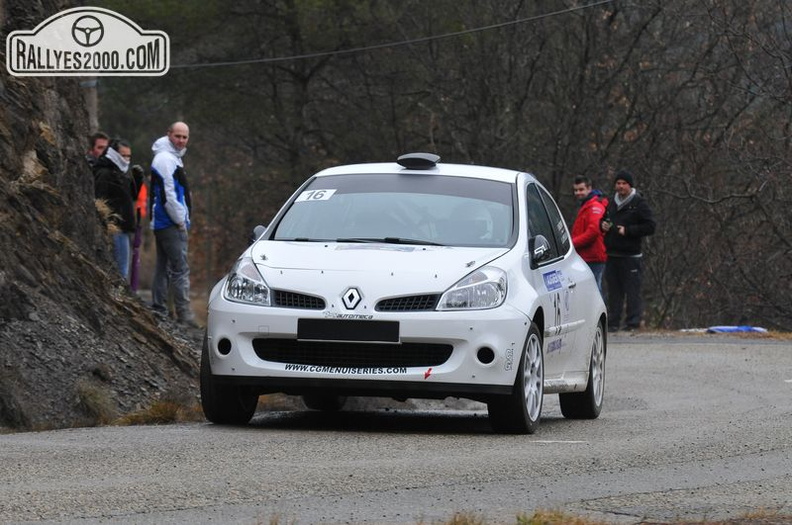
x=170, y=220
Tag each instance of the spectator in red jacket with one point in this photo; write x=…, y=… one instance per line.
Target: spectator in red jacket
x=587, y=237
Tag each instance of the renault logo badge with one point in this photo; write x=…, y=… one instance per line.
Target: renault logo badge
x=351, y=298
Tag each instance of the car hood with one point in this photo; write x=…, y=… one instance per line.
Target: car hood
x=390, y=268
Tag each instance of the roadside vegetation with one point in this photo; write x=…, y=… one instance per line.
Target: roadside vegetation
x=545, y=517
x=162, y=412
x=554, y=517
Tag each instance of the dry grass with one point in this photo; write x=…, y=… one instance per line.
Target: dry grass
x=107, y=216
x=547, y=517
x=552, y=517
x=772, y=335
x=758, y=517
x=162, y=412
x=541, y=517
x=175, y=409
x=96, y=402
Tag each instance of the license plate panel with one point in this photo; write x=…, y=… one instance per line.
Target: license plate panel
x=348, y=330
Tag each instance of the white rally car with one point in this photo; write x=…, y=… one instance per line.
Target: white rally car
x=414, y=279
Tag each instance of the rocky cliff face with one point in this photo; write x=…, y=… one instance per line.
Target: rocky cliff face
x=76, y=348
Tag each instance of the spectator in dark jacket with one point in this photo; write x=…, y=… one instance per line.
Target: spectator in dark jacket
x=114, y=185
x=629, y=219
x=98, y=144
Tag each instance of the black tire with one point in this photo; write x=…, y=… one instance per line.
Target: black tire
x=224, y=404
x=588, y=404
x=324, y=402
x=520, y=411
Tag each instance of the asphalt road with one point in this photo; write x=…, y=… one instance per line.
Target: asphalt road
x=693, y=427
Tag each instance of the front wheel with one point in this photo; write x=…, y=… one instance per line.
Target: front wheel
x=588, y=404
x=224, y=404
x=519, y=412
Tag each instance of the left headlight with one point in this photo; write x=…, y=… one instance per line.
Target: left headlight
x=246, y=285
x=485, y=288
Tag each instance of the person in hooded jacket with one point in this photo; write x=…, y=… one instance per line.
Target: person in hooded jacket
x=629, y=219
x=170, y=220
x=587, y=237
x=114, y=185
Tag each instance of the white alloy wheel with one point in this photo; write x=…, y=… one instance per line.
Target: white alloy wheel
x=588, y=404
x=533, y=374
x=520, y=411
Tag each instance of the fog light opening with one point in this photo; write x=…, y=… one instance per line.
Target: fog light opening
x=485, y=355
x=224, y=346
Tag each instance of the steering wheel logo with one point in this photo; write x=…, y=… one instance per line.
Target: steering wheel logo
x=86, y=41
x=87, y=31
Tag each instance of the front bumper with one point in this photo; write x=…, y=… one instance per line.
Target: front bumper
x=471, y=354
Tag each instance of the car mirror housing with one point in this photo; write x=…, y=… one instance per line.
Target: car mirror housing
x=258, y=231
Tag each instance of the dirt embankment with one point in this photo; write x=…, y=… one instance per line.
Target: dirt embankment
x=76, y=348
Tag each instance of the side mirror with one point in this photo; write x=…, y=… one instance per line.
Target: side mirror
x=258, y=231
x=539, y=248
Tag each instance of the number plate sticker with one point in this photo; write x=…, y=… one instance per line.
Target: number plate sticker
x=348, y=330
x=315, y=195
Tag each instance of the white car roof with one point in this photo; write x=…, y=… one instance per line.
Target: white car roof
x=458, y=170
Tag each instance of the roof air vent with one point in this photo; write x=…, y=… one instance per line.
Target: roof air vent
x=419, y=161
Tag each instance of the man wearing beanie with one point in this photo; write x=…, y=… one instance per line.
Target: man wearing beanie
x=628, y=220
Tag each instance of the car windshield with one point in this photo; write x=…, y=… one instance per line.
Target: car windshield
x=401, y=209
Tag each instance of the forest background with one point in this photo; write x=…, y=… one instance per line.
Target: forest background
x=693, y=96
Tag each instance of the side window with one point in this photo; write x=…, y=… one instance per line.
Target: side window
x=557, y=222
x=538, y=221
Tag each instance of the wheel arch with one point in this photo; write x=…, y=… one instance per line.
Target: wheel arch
x=539, y=320
x=603, y=321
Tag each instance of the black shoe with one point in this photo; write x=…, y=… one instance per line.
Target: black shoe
x=631, y=329
x=613, y=329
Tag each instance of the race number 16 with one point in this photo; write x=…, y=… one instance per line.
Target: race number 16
x=315, y=195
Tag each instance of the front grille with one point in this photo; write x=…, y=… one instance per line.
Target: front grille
x=413, y=303
x=360, y=355
x=297, y=300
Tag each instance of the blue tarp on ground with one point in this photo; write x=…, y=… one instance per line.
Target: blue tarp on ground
x=729, y=329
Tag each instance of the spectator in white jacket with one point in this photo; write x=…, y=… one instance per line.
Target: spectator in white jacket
x=170, y=220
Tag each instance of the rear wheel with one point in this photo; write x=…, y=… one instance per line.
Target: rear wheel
x=324, y=402
x=519, y=412
x=588, y=404
x=224, y=404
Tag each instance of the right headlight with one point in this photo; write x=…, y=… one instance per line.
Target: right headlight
x=485, y=288
x=246, y=285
